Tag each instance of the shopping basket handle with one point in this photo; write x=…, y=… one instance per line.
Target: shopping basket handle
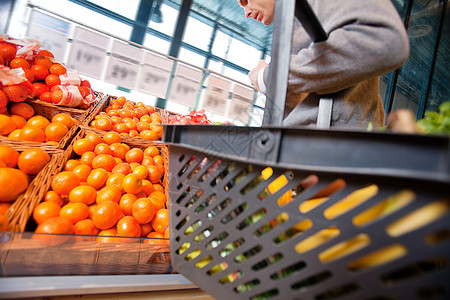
x=281, y=53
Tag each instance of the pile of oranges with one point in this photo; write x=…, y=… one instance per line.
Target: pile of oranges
x=16, y=169
x=129, y=119
x=21, y=123
x=108, y=189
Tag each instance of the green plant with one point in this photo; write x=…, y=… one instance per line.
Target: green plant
x=436, y=122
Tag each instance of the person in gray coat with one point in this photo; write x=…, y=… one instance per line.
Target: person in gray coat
x=366, y=39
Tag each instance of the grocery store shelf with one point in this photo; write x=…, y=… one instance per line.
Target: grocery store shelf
x=23, y=287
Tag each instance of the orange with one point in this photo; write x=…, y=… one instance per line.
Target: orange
x=141, y=171
x=38, y=121
x=13, y=182
x=95, y=138
x=15, y=134
x=92, y=208
x=121, y=100
x=150, y=109
x=22, y=109
x=32, y=161
x=143, y=210
x=4, y=223
x=85, y=227
x=19, y=121
x=112, y=112
x=74, y=211
x=109, y=193
x=155, y=117
x=128, y=226
x=102, y=148
x=84, y=194
x=71, y=164
x=160, y=221
x=64, y=119
x=55, y=131
x=116, y=120
x=106, y=214
x=52, y=196
x=55, y=225
x=45, y=53
x=32, y=134
x=126, y=203
x=146, y=119
x=132, y=183
x=160, y=168
x=19, y=63
x=167, y=233
x=118, y=160
x=139, y=112
x=121, y=128
x=103, y=124
x=65, y=182
x=4, y=208
x=134, y=133
x=124, y=113
x=82, y=171
x=159, y=195
x=156, y=238
x=7, y=125
x=2, y=164
x=158, y=187
x=118, y=150
x=45, y=210
x=147, y=134
x=97, y=178
x=106, y=236
x=147, y=187
x=154, y=174
x=9, y=156
x=115, y=180
x=151, y=151
x=145, y=229
x=104, y=161
x=112, y=137
x=83, y=145
x=134, y=165
x=43, y=61
x=87, y=157
x=147, y=161
x=157, y=203
x=158, y=159
x=134, y=155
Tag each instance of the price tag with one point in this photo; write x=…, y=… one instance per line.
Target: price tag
x=185, y=85
x=123, y=65
x=241, y=103
x=155, y=75
x=52, y=33
x=88, y=52
x=215, y=99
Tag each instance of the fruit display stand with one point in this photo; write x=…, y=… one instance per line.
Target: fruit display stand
x=48, y=110
x=48, y=258
x=21, y=209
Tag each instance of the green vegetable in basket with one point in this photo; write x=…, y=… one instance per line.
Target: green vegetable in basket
x=436, y=122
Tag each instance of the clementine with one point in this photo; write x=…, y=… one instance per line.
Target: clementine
x=64, y=182
x=143, y=210
x=74, y=211
x=45, y=210
x=32, y=161
x=106, y=214
x=13, y=182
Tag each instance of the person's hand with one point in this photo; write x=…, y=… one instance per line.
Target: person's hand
x=253, y=74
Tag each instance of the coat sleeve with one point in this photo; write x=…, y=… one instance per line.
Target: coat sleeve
x=366, y=38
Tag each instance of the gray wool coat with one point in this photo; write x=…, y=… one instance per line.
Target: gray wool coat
x=366, y=38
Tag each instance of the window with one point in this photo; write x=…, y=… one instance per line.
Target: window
x=243, y=55
x=197, y=34
x=169, y=18
x=127, y=8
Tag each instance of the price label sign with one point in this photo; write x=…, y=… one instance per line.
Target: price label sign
x=215, y=99
x=123, y=65
x=241, y=103
x=52, y=33
x=185, y=85
x=154, y=76
x=88, y=52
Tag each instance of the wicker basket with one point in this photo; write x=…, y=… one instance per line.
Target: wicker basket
x=48, y=110
x=22, y=208
x=31, y=254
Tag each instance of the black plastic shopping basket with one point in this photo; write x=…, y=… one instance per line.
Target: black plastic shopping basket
x=290, y=213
